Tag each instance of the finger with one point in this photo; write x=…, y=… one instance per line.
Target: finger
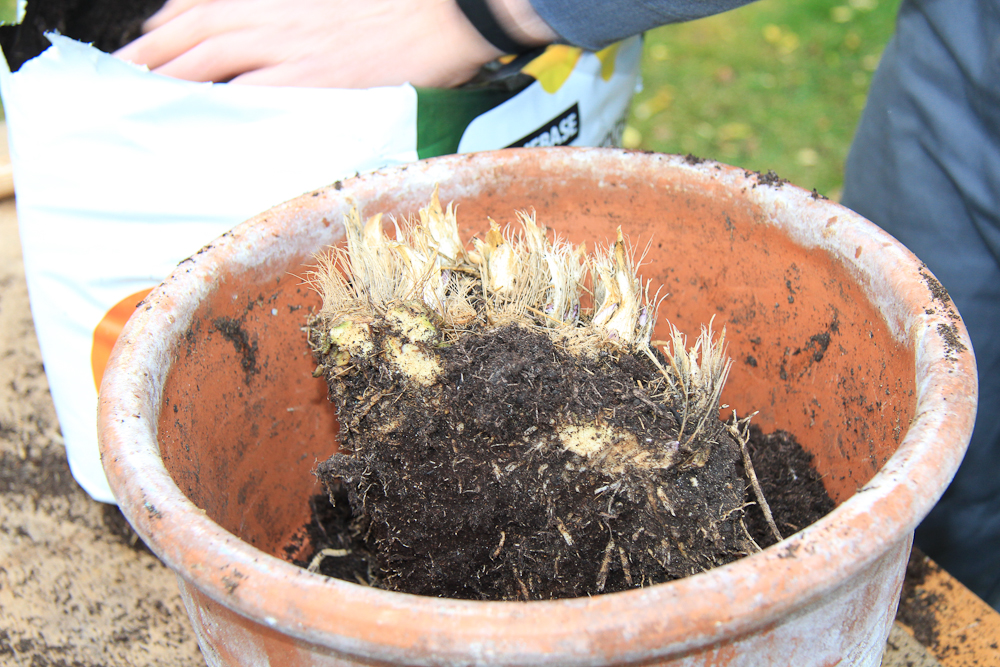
x=162, y=45
x=354, y=72
x=303, y=74
x=285, y=74
x=219, y=58
x=174, y=38
x=335, y=69
x=169, y=11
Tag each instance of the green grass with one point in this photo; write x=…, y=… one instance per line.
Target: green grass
x=779, y=84
x=10, y=12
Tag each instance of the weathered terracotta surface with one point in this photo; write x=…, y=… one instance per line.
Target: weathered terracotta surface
x=838, y=333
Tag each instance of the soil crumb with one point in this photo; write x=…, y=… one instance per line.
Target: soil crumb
x=770, y=178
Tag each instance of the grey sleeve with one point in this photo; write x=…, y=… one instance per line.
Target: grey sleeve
x=594, y=24
x=925, y=166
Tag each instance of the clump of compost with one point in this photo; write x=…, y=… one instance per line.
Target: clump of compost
x=500, y=440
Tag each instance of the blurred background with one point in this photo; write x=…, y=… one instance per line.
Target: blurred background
x=775, y=85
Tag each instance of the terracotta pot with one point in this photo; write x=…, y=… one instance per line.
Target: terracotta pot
x=210, y=419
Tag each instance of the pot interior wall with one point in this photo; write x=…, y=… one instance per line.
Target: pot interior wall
x=244, y=422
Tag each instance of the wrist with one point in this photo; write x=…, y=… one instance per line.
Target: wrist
x=520, y=20
x=510, y=26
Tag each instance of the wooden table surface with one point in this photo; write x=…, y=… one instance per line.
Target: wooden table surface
x=941, y=622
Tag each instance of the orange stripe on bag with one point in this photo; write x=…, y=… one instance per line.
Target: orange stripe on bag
x=107, y=330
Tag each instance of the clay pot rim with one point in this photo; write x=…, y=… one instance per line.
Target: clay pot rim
x=886, y=509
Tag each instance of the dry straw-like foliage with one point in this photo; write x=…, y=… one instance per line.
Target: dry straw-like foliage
x=696, y=376
x=516, y=275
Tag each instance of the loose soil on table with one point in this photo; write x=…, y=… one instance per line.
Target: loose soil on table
x=917, y=606
x=77, y=586
x=474, y=498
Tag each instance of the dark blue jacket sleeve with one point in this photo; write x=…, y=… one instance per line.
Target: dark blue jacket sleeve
x=594, y=24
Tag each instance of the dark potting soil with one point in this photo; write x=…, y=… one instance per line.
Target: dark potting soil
x=775, y=456
x=107, y=24
x=531, y=522
x=466, y=489
x=791, y=485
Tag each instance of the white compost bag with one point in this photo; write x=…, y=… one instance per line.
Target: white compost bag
x=121, y=173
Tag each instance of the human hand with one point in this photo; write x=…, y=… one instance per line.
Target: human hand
x=316, y=43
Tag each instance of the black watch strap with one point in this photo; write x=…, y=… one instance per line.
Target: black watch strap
x=485, y=21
